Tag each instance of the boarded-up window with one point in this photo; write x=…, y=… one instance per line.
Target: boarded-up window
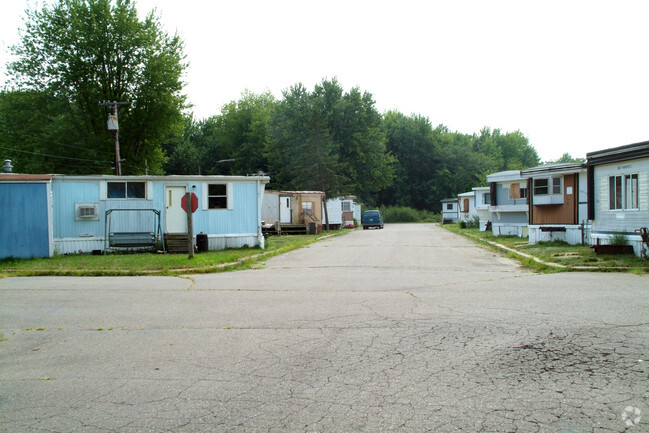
x=514, y=191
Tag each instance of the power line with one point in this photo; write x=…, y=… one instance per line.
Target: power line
x=96, y=161
x=33, y=137
x=51, y=156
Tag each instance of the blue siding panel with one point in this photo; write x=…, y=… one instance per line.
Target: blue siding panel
x=24, y=220
x=242, y=219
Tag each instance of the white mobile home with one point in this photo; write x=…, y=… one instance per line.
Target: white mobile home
x=340, y=211
x=466, y=207
x=450, y=211
x=482, y=201
x=618, y=193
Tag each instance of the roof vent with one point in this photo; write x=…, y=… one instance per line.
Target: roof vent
x=8, y=168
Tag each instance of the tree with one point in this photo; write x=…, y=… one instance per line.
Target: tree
x=33, y=136
x=566, y=158
x=415, y=145
x=329, y=140
x=184, y=157
x=302, y=154
x=81, y=52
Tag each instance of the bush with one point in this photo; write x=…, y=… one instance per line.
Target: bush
x=401, y=214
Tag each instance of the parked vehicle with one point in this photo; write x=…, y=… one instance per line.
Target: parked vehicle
x=372, y=218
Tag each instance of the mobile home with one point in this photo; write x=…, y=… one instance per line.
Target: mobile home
x=94, y=213
x=618, y=193
x=558, y=198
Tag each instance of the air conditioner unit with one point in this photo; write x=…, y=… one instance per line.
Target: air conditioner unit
x=86, y=211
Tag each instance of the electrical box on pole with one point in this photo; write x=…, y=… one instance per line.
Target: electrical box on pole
x=113, y=125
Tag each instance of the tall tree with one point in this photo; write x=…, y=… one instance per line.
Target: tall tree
x=81, y=52
x=330, y=140
x=415, y=145
x=302, y=153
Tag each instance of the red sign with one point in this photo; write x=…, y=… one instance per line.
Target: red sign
x=183, y=202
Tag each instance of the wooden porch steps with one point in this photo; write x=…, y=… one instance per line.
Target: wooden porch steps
x=176, y=243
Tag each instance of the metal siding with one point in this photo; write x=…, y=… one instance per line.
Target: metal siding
x=242, y=219
x=607, y=220
x=502, y=195
x=24, y=214
x=270, y=209
x=334, y=211
x=72, y=236
x=64, y=196
x=511, y=218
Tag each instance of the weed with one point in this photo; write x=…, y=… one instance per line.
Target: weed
x=618, y=239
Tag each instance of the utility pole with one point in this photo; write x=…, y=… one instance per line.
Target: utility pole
x=113, y=125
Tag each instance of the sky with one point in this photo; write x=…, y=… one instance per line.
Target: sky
x=572, y=76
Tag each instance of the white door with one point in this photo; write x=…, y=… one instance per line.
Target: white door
x=175, y=216
x=285, y=210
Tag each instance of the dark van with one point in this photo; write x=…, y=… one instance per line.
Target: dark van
x=371, y=218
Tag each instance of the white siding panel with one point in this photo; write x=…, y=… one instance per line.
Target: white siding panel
x=643, y=190
x=230, y=193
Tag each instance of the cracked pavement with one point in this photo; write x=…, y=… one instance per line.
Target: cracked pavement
x=406, y=329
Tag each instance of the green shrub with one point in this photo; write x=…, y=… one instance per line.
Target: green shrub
x=401, y=214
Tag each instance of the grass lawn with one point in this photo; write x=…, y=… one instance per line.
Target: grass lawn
x=569, y=257
x=155, y=264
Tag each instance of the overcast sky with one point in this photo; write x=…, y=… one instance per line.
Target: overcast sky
x=572, y=76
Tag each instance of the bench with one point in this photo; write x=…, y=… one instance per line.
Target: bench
x=132, y=239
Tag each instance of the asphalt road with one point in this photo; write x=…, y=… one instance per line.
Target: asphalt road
x=406, y=329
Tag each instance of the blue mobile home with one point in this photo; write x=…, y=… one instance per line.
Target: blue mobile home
x=25, y=216
x=82, y=212
x=508, y=203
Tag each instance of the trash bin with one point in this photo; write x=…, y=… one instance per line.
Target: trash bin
x=201, y=243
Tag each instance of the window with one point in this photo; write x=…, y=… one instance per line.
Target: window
x=486, y=198
x=516, y=191
x=126, y=190
x=217, y=196
x=540, y=186
x=631, y=186
x=307, y=206
x=547, y=185
x=346, y=206
x=449, y=206
x=623, y=192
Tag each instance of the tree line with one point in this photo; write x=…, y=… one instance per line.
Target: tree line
x=75, y=54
